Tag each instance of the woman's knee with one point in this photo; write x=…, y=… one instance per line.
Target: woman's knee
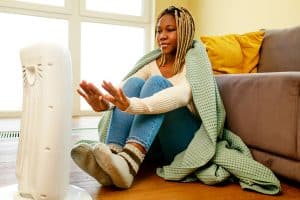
x=154, y=84
x=132, y=87
x=158, y=81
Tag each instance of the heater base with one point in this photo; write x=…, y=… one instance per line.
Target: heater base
x=74, y=193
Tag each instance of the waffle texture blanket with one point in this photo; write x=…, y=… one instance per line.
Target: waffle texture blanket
x=215, y=154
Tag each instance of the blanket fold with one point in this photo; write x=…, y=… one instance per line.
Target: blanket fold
x=215, y=153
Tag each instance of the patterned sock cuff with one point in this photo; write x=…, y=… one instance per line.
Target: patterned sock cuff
x=135, y=151
x=133, y=156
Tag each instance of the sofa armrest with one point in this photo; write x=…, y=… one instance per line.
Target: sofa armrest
x=263, y=109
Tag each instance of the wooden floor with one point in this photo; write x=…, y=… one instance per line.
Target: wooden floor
x=147, y=184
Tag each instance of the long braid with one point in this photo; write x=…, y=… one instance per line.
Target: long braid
x=185, y=34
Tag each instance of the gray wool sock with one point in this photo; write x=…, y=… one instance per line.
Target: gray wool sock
x=115, y=148
x=121, y=167
x=83, y=156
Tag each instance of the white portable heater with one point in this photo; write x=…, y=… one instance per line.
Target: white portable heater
x=43, y=158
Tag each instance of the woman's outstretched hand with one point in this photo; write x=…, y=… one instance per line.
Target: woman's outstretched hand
x=93, y=96
x=116, y=96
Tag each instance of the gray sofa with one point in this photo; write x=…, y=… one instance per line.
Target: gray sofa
x=264, y=108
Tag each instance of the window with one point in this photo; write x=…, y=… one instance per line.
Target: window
x=47, y=2
x=102, y=52
x=126, y=7
x=105, y=39
x=21, y=31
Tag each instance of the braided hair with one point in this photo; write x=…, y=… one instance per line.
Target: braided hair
x=185, y=34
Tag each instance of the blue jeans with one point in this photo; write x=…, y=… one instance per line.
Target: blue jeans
x=162, y=135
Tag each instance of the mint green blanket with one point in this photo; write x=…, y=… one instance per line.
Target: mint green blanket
x=215, y=154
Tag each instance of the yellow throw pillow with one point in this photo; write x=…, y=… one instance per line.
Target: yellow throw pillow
x=234, y=53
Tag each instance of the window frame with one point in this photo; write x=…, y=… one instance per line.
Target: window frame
x=144, y=18
x=37, y=7
x=75, y=13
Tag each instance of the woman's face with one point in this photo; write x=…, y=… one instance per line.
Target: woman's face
x=166, y=34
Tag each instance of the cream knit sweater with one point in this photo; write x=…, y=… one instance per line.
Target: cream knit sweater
x=179, y=95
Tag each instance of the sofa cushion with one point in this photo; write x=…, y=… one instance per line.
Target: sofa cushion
x=234, y=53
x=280, y=50
x=263, y=109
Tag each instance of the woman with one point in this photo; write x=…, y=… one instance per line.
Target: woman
x=156, y=113
x=151, y=104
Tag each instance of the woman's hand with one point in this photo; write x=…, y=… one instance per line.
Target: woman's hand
x=93, y=96
x=116, y=96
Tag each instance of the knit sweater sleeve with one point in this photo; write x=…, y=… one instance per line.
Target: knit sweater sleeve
x=164, y=101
